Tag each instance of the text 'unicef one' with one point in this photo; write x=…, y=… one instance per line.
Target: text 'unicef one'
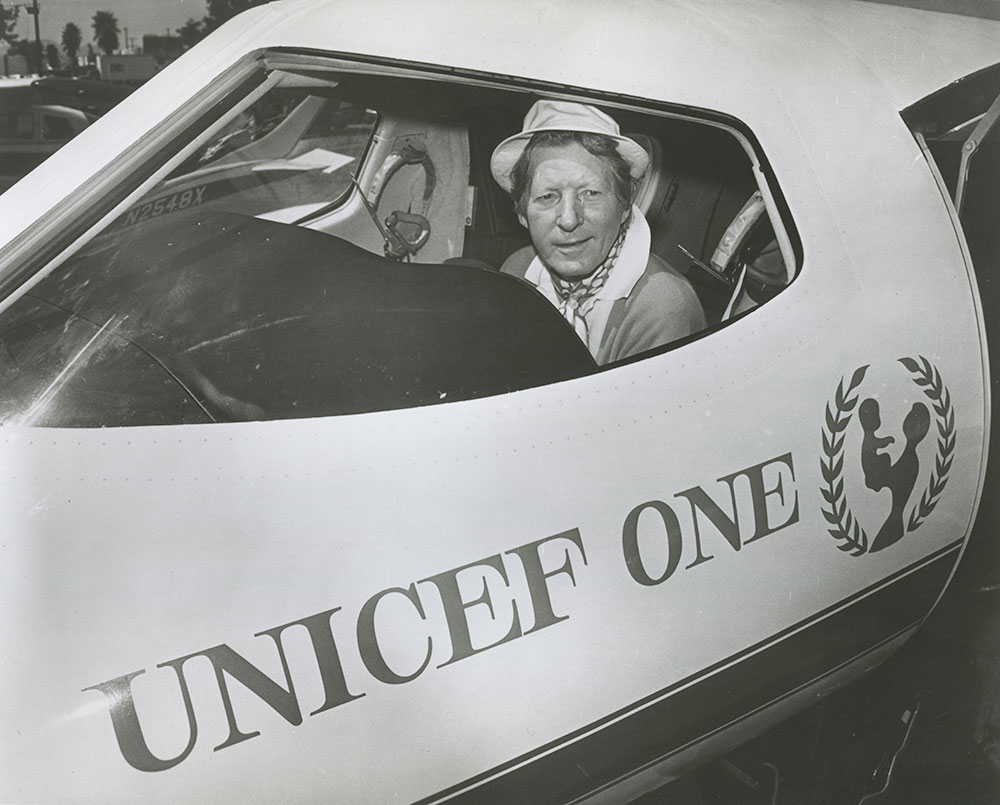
x=749, y=505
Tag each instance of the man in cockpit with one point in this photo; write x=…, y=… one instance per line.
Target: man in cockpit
x=571, y=175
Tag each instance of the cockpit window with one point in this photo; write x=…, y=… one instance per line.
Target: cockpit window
x=289, y=154
x=334, y=244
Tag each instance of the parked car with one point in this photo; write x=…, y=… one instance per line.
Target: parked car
x=40, y=115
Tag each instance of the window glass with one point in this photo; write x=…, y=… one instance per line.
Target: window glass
x=9, y=125
x=24, y=126
x=291, y=153
x=57, y=128
x=334, y=248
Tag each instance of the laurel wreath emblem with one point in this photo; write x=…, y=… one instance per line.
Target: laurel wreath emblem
x=844, y=526
x=928, y=378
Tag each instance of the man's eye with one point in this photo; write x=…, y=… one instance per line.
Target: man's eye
x=545, y=198
x=590, y=193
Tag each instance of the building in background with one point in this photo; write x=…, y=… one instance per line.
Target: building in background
x=131, y=69
x=135, y=68
x=162, y=48
x=14, y=65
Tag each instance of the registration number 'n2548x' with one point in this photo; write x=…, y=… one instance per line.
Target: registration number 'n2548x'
x=160, y=206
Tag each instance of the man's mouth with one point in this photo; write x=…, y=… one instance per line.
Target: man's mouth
x=572, y=244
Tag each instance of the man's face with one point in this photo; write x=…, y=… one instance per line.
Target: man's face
x=571, y=210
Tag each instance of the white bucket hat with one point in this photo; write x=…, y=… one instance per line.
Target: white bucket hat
x=565, y=116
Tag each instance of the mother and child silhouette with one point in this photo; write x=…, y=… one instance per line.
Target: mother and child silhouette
x=881, y=472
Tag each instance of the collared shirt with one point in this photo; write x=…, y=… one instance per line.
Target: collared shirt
x=624, y=275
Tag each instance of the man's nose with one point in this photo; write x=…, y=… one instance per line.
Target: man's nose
x=570, y=213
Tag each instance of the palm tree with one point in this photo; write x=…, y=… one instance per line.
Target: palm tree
x=221, y=10
x=52, y=56
x=8, y=17
x=106, y=31
x=71, y=40
x=191, y=32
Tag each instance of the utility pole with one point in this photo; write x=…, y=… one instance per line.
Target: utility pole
x=33, y=10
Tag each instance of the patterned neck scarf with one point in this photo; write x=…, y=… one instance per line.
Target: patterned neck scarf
x=578, y=297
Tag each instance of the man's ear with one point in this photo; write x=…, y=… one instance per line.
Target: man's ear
x=522, y=219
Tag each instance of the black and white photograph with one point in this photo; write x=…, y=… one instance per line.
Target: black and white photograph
x=502, y=402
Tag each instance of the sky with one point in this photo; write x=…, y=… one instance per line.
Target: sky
x=139, y=16
x=159, y=16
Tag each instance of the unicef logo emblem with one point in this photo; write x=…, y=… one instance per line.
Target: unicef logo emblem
x=879, y=470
